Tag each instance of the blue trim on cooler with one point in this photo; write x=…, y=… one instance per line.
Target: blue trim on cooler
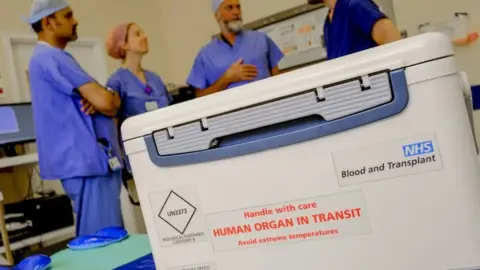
x=476, y=97
x=145, y=263
x=279, y=136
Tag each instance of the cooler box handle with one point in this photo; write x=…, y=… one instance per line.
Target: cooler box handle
x=304, y=116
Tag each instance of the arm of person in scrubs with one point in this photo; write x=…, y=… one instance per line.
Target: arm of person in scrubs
x=275, y=55
x=67, y=73
x=105, y=101
x=114, y=84
x=198, y=80
x=236, y=72
x=385, y=31
x=367, y=15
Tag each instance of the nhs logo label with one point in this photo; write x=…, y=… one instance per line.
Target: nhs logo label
x=417, y=149
x=387, y=160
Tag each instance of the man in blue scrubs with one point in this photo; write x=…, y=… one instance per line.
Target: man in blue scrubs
x=355, y=25
x=74, y=127
x=236, y=57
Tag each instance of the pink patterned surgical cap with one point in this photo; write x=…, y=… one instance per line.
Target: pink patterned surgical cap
x=116, y=41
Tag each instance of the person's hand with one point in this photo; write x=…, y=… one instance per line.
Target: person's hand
x=87, y=108
x=241, y=72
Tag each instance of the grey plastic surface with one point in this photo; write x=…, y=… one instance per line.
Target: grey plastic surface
x=340, y=100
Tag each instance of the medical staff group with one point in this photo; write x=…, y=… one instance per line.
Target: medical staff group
x=77, y=119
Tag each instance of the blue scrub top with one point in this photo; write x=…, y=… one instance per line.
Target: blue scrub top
x=132, y=92
x=350, y=30
x=67, y=139
x=213, y=60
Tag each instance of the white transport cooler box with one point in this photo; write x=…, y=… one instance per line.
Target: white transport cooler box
x=365, y=162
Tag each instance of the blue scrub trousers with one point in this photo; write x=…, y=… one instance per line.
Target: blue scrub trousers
x=96, y=201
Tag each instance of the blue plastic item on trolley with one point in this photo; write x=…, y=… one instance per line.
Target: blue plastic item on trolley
x=101, y=238
x=35, y=262
x=117, y=233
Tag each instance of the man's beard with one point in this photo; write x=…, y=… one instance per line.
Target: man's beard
x=74, y=35
x=70, y=37
x=234, y=26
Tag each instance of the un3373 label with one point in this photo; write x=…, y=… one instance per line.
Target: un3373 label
x=397, y=158
x=178, y=217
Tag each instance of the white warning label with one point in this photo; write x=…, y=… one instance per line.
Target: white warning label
x=178, y=217
x=309, y=219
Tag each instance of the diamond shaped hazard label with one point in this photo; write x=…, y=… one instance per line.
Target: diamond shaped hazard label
x=177, y=212
x=178, y=216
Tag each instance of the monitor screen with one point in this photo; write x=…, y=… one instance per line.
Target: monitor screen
x=300, y=38
x=9, y=122
x=16, y=123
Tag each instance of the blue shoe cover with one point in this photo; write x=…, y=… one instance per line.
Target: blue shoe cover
x=35, y=262
x=101, y=238
x=117, y=233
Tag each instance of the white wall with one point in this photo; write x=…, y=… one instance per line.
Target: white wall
x=411, y=13
x=95, y=19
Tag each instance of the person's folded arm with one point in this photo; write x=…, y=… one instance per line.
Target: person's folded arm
x=69, y=75
x=220, y=85
x=105, y=101
x=114, y=84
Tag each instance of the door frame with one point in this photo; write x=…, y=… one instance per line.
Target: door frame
x=11, y=40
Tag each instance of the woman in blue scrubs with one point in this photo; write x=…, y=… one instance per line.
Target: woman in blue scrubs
x=355, y=25
x=140, y=90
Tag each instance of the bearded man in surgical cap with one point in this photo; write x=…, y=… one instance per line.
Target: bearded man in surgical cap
x=236, y=56
x=76, y=135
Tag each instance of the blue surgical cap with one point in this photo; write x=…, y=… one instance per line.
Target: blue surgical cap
x=216, y=4
x=43, y=8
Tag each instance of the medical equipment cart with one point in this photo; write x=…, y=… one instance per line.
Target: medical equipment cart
x=364, y=162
